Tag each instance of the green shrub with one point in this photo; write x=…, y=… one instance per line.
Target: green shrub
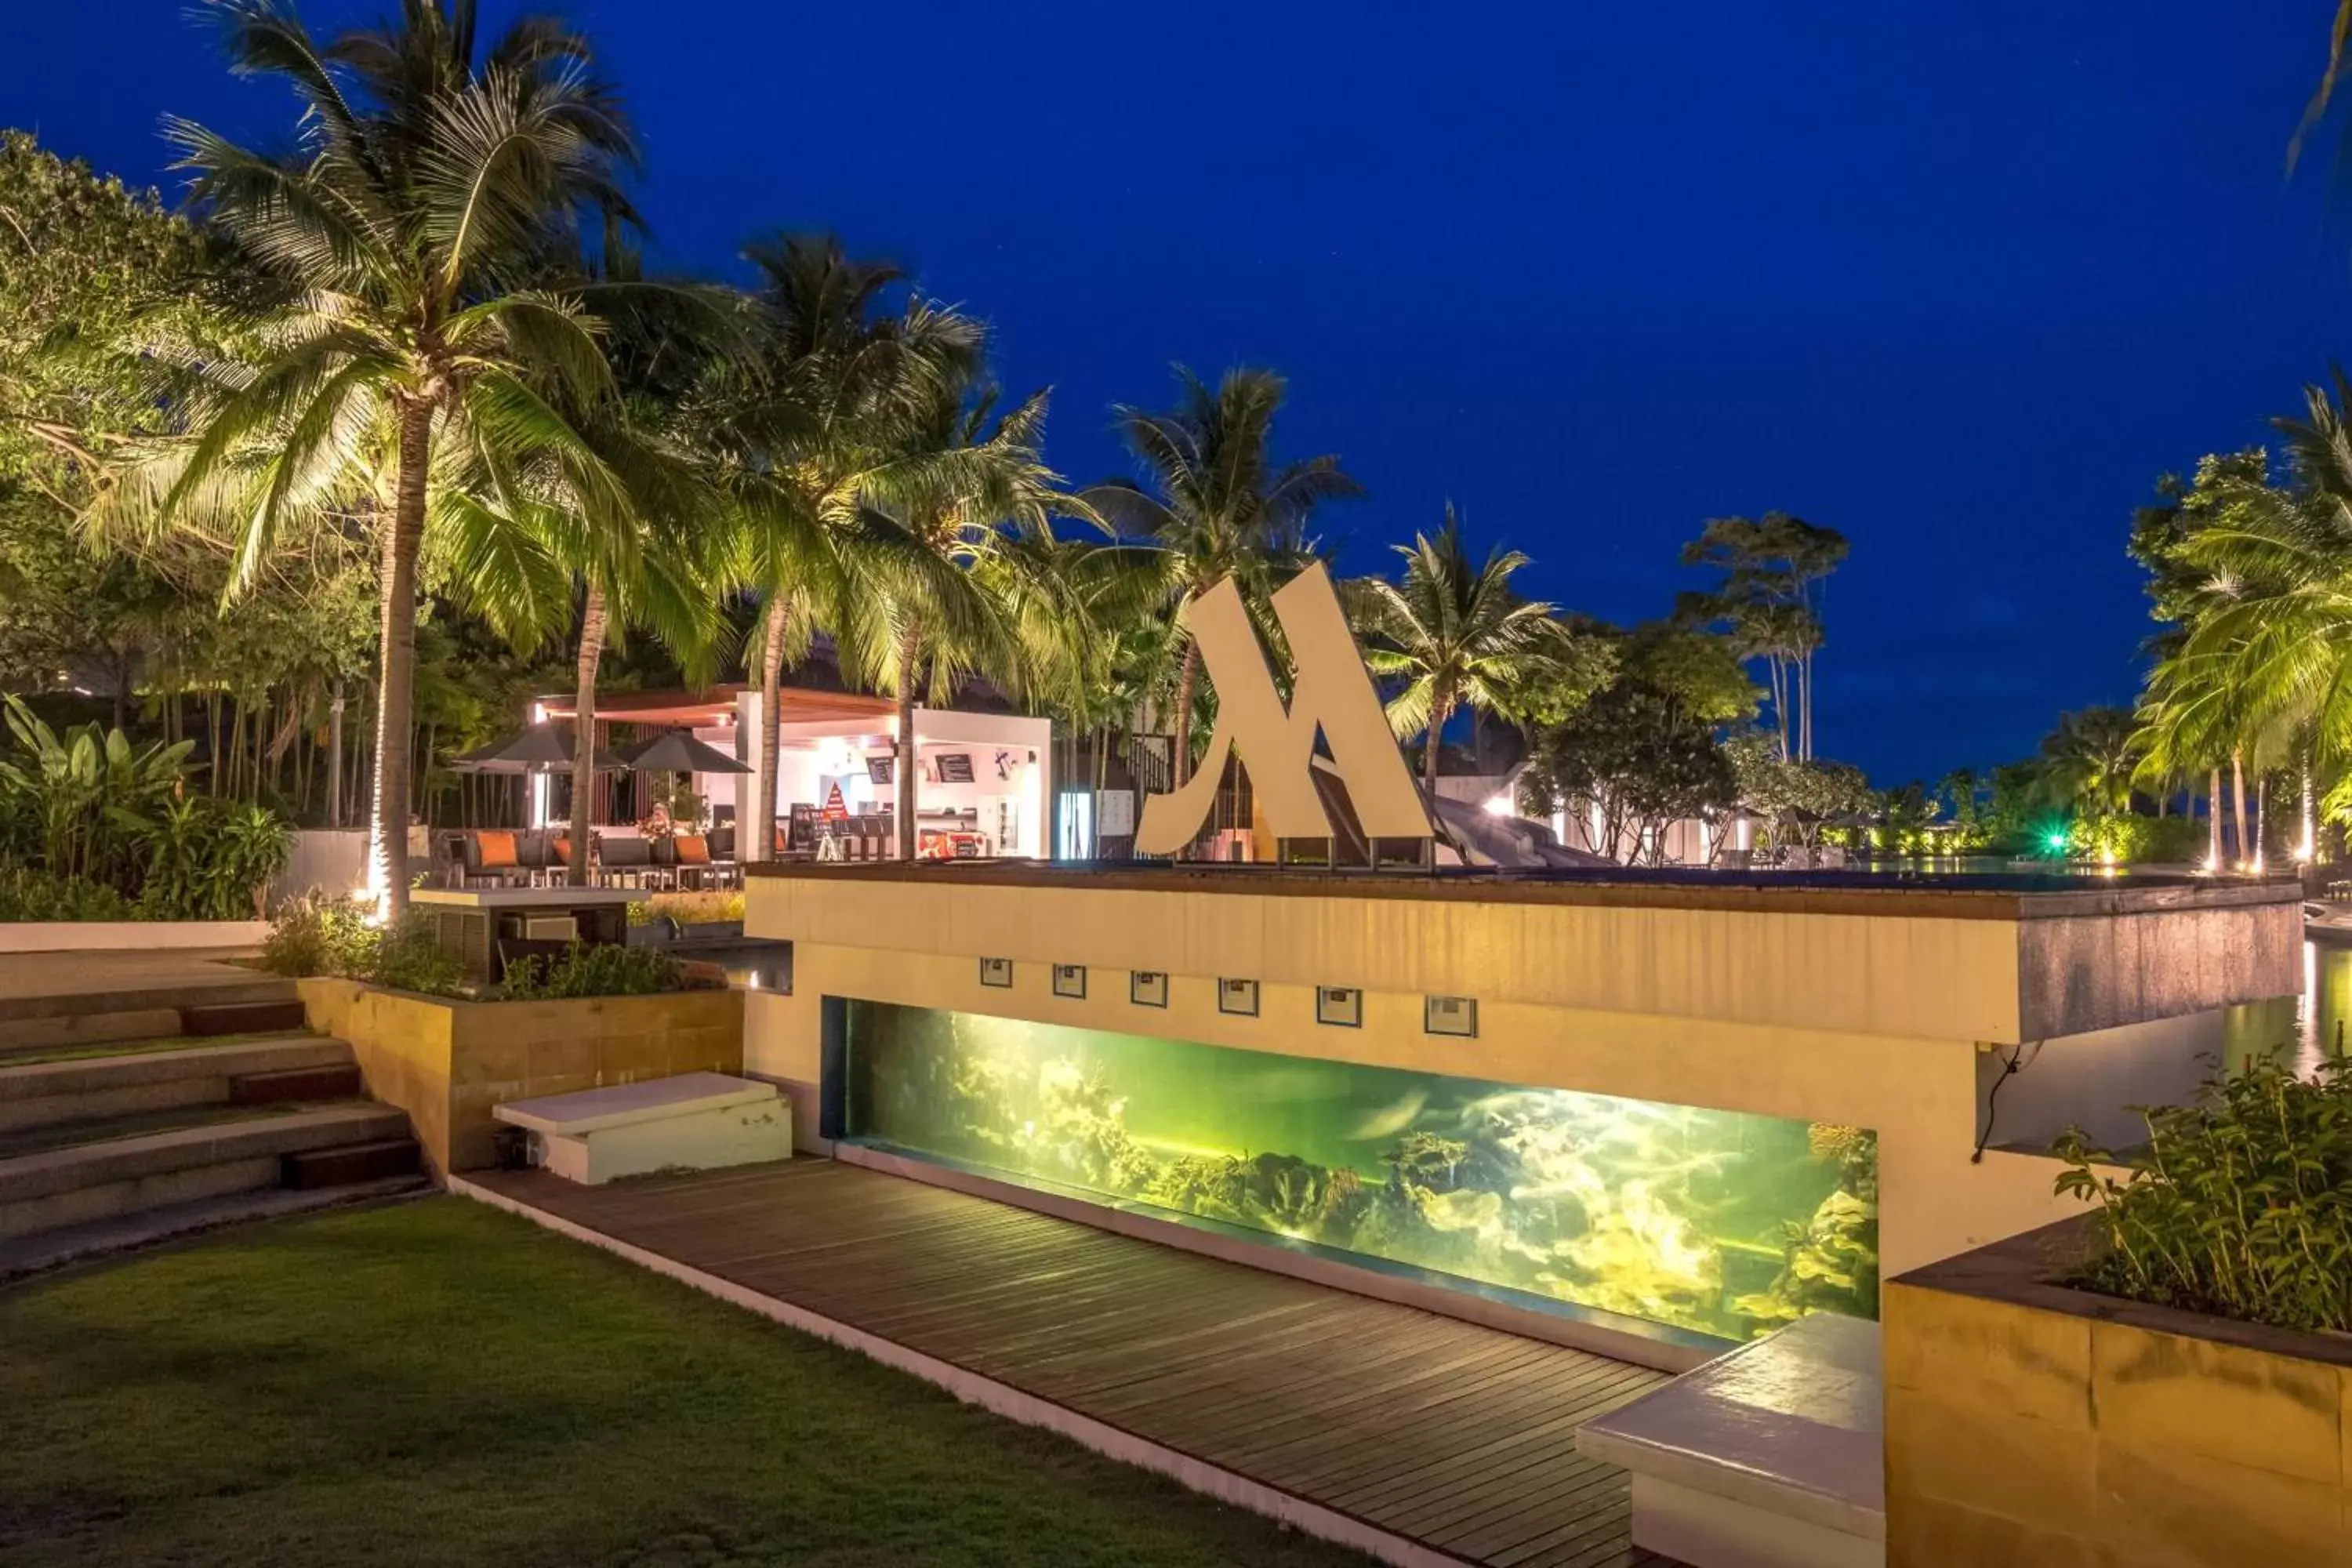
x=408, y=957
x=316, y=935
x=608, y=970
x=2240, y=1204
x=87, y=798
x=29, y=893
x=212, y=859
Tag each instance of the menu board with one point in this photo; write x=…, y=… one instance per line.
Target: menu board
x=954, y=767
x=879, y=769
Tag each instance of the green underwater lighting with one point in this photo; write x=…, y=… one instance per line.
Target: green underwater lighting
x=1713, y=1221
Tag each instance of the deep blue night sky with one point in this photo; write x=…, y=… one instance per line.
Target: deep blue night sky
x=1960, y=280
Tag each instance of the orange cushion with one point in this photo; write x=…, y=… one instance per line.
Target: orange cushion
x=496, y=850
x=783, y=844
x=693, y=850
x=562, y=850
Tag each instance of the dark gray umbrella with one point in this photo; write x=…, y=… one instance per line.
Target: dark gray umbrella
x=543, y=748
x=676, y=751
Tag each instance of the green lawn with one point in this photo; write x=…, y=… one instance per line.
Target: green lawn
x=440, y=1384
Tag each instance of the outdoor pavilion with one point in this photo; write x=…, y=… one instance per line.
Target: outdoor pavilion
x=984, y=782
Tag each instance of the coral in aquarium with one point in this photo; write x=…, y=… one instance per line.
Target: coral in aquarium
x=1726, y=1224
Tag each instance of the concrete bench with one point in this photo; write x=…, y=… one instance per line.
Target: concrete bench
x=693, y=1121
x=1771, y=1457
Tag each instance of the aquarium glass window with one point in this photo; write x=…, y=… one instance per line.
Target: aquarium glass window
x=1713, y=1221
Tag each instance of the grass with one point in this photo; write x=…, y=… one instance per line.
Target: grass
x=440, y=1382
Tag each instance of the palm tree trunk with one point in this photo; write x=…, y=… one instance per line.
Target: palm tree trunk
x=583, y=732
x=2238, y=801
x=335, y=755
x=2261, y=817
x=755, y=834
x=1187, y=672
x=1439, y=712
x=396, y=662
x=2214, y=822
x=2307, y=846
x=910, y=647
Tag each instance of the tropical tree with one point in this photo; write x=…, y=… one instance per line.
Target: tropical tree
x=385, y=317
x=1223, y=509
x=1770, y=601
x=2089, y=760
x=834, y=381
x=935, y=591
x=1454, y=635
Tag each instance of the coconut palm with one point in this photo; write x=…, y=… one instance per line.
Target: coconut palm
x=837, y=380
x=387, y=249
x=1224, y=510
x=1454, y=635
x=936, y=592
x=2089, y=760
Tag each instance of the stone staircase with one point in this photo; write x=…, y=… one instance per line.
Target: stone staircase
x=134, y=1118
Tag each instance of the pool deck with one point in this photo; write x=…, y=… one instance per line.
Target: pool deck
x=1417, y=1439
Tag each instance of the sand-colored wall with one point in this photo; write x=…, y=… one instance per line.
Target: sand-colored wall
x=2020, y=1434
x=1933, y=977
x=446, y=1063
x=1917, y=1094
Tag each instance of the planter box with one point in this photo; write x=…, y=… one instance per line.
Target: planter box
x=448, y=1062
x=143, y=936
x=2027, y=1423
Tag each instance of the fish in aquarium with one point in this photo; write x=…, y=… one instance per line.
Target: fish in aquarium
x=1715, y=1221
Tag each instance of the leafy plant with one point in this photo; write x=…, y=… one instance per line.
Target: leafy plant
x=90, y=796
x=2240, y=1204
x=606, y=970
x=212, y=860
x=408, y=956
x=29, y=893
x=314, y=935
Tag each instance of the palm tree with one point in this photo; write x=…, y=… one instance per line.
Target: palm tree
x=427, y=174
x=835, y=382
x=1224, y=510
x=936, y=591
x=1455, y=634
x=2089, y=760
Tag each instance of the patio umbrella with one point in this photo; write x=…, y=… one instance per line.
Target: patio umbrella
x=676, y=751
x=541, y=748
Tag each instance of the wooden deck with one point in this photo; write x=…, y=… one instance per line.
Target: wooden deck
x=1450, y=1441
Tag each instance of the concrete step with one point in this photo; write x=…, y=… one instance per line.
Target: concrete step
x=131, y=1011
x=241, y=1017
x=339, y=1081
x=80, y=1242
x=345, y=1164
x=88, y=1087
x=97, y=1181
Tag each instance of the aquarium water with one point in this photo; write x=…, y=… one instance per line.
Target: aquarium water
x=1712, y=1221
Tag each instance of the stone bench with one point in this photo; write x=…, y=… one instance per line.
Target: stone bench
x=1772, y=1456
x=693, y=1121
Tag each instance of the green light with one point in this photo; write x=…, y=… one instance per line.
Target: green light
x=2057, y=842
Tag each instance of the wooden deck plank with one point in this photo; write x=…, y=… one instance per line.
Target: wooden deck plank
x=1457, y=1437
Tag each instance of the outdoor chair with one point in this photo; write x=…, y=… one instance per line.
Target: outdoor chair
x=491, y=857
x=630, y=862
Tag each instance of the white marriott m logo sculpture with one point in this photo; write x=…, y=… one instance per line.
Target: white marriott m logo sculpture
x=1331, y=692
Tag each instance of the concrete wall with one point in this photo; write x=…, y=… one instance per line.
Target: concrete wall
x=1790, y=1005
x=448, y=1063
x=2030, y=1425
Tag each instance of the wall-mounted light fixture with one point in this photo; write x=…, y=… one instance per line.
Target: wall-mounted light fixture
x=1456, y=1015
x=1342, y=1006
